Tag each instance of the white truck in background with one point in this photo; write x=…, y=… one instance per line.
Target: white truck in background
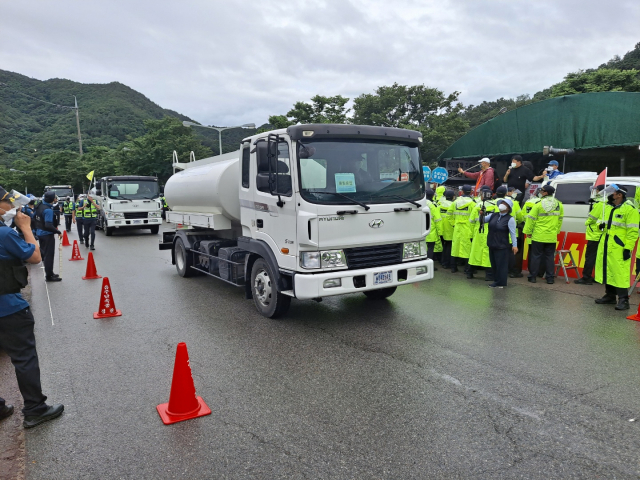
x=128, y=202
x=307, y=212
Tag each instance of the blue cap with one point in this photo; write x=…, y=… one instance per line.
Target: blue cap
x=554, y=162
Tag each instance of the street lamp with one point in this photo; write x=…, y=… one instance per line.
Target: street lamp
x=219, y=129
x=25, y=180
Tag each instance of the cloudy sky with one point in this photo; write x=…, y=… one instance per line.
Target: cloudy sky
x=234, y=62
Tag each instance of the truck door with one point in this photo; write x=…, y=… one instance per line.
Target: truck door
x=274, y=200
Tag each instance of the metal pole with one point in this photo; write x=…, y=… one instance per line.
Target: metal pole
x=220, y=140
x=78, y=124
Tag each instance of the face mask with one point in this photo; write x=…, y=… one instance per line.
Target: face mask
x=549, y=169
x=503, y=208
x=513, y=164
x=7, y=217
x=610, y=198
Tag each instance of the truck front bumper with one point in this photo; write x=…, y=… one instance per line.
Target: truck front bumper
x=138, y=222
x=307, y=286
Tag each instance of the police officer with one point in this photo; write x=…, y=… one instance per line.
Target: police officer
x=77, y=216
x=447, y=227
x=165, y=207
x=90, y=218
x=46, y=227
x=515, y=260
x=479, y=256
x=16, y=320
x=67, y=209
x=619, y=236
x=460, y=211
x=593, y=235
x=436, y=224
x=543, y=224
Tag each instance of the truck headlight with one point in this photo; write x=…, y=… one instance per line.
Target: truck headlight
x=414, y=249
x=333, y=258
x=155, y=214
x=310, y=259
x=114, y=215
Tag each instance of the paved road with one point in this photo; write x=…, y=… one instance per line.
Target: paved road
x=447, y=379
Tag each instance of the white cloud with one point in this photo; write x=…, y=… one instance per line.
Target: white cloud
x=229, y=63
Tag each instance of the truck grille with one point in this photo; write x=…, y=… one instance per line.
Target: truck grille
x=135, y=215
x=377, y=256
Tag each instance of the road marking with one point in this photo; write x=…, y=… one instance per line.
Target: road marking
x=44, y=275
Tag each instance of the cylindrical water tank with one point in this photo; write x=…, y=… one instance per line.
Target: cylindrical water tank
x=211, y=188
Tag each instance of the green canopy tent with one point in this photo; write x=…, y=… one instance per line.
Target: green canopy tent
x=603, y=128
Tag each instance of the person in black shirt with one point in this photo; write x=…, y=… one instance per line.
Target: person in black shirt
x=517, y=176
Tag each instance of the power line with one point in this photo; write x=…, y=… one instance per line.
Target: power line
x=34, y=98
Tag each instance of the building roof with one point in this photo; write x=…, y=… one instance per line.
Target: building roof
x=582, y=121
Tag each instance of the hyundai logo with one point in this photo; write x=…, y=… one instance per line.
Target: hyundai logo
x=376, y=223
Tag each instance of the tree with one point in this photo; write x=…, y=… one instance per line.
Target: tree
x=320, y=110
x=602, y=80
x=429, y=110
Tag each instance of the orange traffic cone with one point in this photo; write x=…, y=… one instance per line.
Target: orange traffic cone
x=75, y=255
x=91, y=273
x=635, y=317
x=65, y=239
x=107, y=306
x=183, y=403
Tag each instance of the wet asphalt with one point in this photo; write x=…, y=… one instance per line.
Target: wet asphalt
x=446, y=379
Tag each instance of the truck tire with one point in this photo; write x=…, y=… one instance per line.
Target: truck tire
x=269, y=302
x=183, y=260
x=108, y=231
x=381, y=293
x=155, y=229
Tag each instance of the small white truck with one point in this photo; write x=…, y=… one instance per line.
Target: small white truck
x=307, y=212
x=126, y=202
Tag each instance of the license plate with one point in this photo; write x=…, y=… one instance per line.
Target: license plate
x=137, y=222
x=382, y=277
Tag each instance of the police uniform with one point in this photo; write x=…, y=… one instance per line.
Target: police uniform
x=17, y=336
x=77, y=212
x=460, y=211
x=46, y=228
x=67, y=208
x=613, y=262
x=479, y=256
x=90, y=218
x=592, y=235
x=433, y=238
x=543, y=224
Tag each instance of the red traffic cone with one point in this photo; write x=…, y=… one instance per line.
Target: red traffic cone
x=92, y=273
x=75, y=254
x=183, y=403
x=107, y=306
x=65, y=239
x=635, y=317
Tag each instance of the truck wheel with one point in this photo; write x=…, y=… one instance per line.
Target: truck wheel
x=109, y=231
x=183, y=260
x=269, y=302
x=381, y=293
x=155, y=229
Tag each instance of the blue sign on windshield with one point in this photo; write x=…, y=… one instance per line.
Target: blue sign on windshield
x=426, y=172
x=439, y=175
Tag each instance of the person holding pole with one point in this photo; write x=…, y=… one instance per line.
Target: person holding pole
x=77, y=216
x=484, y=178
x=90, y=218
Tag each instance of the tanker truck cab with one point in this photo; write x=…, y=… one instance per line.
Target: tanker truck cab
x=128, y=202
x=320, y=210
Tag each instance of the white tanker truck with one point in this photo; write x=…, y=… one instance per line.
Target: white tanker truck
x=307, y=212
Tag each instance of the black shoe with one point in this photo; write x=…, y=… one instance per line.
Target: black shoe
x=623, y=303
x=86, y=244
x=584, y=281
x=606, y=300
x=495, y=285
x=532, y=279
x=54, y=411
x=516, y=275
x=53, y=279
x=6, y=411
x=454, y=270
x=488, y=279
x=550, y=281
x=469, y=275
x=91, y=247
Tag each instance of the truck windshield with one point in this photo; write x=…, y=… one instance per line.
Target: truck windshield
x=132, y=189
x=62, y=192
x=366, y=171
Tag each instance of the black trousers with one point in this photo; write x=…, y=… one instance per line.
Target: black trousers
x=611, y=290
x=430, y=248
x=48, y=252
x=18, y=340
x=446, y=253
x=80, y=225
x=542, y=256
x=68, y=219
x=499, y=259
x=515, y=260
x=89, y=229
x=590, y=254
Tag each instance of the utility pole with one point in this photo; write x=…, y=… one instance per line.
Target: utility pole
x=78, y=124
